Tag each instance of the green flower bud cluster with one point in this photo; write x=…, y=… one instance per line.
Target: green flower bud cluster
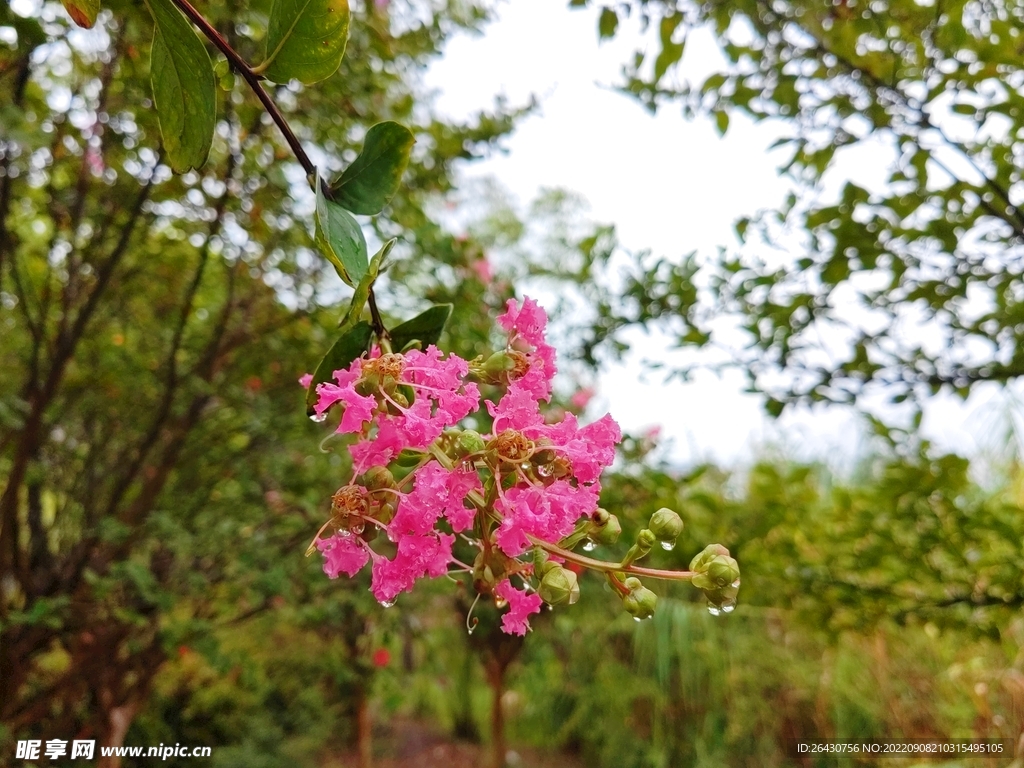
x=467, y=443
x=718, y=576
x=640, y=602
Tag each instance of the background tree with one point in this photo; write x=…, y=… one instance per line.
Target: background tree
x=895, y=290
x=154, y=326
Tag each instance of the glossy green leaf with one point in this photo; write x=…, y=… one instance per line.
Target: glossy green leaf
x=82, y=12
x=372, y=180
x=350, y=345
x=184, y=89
x=305, y=40
x=426, y=327
x=340, y=238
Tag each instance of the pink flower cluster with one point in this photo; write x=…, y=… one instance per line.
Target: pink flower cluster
x=541, y=477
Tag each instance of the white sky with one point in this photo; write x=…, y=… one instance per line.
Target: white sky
x=670, y=186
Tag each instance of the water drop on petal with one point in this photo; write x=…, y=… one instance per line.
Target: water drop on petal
x=387, y=603
x=318, y=418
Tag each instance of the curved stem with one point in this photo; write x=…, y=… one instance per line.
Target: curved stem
x=606, y=567
x=242, y=67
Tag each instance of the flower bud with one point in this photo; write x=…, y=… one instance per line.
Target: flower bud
x=467, y=443
x=606, y=533
x=497, y=367
x=666, y=525
x=640, y=602
x=559, y=586
x=376, y=478
x=645, y=540
x=710, y=552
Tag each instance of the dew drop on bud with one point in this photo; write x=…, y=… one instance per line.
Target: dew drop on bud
x=357, y=528
x=318, y=418
x=728, y=607
x=735, y=584
x=387, y=603
x=668, y=546
x=589, y=545
x=714, y=610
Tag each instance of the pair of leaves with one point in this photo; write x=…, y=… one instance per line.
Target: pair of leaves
x=354, y=341
x=365, y=187
x=305, y=40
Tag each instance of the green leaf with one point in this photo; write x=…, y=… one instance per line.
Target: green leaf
x=184, y=89
x=82, y=12
x=340, y=238
x=721, y=121
x=426, y=327
x=350, y=345
x=607, y=23
x=305, y=40
x=367, y=185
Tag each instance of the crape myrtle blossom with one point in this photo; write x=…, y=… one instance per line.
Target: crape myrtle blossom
x=525, y=480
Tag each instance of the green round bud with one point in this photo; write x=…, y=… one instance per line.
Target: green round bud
x=632, y=583
x=608, y=532
x=497, y=367
x=721, y=571
x=600, y=516
x=666, y=525
x=700, y=562
x=376, y=478
x=386, y=512
x=640, y=603
x=645, y=540
x=559, y=586
x=467, y=443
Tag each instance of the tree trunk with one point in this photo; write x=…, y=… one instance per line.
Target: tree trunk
x=364, y=729
x=496, y=679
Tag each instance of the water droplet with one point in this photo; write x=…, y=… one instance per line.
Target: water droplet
x=668, y=546
x=637, y=619
x=551, y=607
x=318, y=418
x=589, y=545
x=714, y=610
x=543, y=471
x=728, y=607
x=357, y=528
x=500, y=602
x=469, y=630
x=343, y=533
x=735, y=584
x=387, y=603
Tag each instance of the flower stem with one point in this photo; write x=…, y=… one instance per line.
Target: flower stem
x=606, y=567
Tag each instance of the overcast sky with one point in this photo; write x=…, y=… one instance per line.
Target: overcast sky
x=668, y=185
